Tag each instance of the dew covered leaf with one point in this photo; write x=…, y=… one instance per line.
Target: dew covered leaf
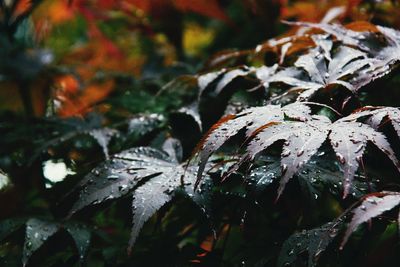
x=261, y=177
x=173, y=148
x=317, y=174
x=150, y=197
x=374, y=116
x=250, y=119
x=302, y=141
x=191, y=111
x=67, y=129
x=224, y=77
x=303, y=137
x=314, y=242
x=349, y=140
x=81, y=236
x=103, y=137
x=372, y=206
x=383, y=57
x=321, y=172
x=115, y=178
x=149, y=175
x=37, y=233
x=265, y=73
x=321, y=68
x=347, y=36
x=144, y=123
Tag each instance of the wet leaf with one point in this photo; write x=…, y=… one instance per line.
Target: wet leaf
x=317, y=174
x=143, y=124
x=314, y=242
x=303, y=138
x=81, y=236
x=302, y=141
x=376, y=115
x=192, y=111
x=61, y=131
x=173, y=147
x=261, y=177
x=251, y=119
x=349, y=140
x=372, y=206
x=150, y=176
x=103, y=138
x=37, y=233
x=323, y=68
x=223, y=78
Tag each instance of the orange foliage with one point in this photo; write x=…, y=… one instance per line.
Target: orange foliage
x=60, y=12
x=22, y=7
x=100, y=52
x=74, y=102
x=208, y=8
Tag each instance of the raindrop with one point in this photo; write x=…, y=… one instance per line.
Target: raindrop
x=131, y=171
x=287, y=142
x=355, y=141
x=285, y=153
x=300, y=152
x=341, y=158
x=359, y=148
x=284, y=168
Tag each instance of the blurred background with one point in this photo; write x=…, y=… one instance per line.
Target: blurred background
x=71, y=52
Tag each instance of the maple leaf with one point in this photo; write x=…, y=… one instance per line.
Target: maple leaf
x=384, y=58
x=149, y=175
x=375, y=116
x=314, y=241
x=64, y=130
x=252, y=119
x=192, y=113
x=38, y=231
x=303, y=138
x=323, y=68
x=141, y=124
x=357, y=39
x=317, y=173
x=224, y=77
x=372, y=206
